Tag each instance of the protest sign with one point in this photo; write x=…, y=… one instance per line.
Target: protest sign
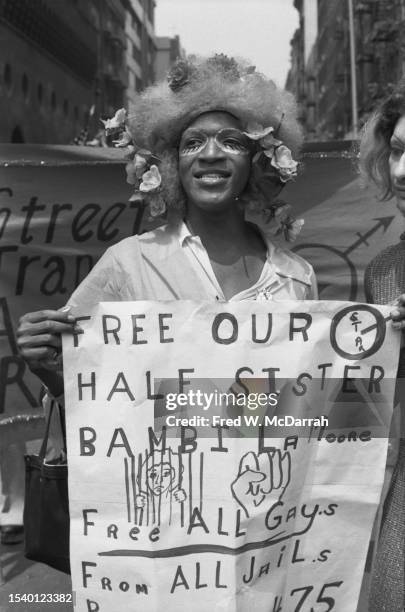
x=226, y=456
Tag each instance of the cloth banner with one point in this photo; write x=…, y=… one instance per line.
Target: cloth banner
x=60, y=208
x=226, y=456
x=56, y=219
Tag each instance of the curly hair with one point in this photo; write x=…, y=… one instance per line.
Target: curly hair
x=199, y=85
x=375, y=141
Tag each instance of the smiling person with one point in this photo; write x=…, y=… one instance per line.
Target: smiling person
x=215, y=141
x=382, y=161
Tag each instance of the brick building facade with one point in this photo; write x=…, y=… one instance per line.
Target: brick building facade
x=322, y=83
x=66, y=63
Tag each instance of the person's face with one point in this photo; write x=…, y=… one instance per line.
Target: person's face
x=160, y=477
x=397, y=163
x=214, y=161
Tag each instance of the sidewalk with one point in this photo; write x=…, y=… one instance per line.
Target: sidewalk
x=23, y=576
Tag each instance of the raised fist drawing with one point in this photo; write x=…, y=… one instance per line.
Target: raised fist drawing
x=261, y=478
x=180, y=495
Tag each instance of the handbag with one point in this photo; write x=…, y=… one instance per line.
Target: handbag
x=46, y=506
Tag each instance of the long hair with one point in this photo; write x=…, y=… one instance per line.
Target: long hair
x=375, y=141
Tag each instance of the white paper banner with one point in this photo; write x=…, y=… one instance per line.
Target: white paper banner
x=182, y=497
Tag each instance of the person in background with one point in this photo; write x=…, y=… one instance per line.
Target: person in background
x=382, y=162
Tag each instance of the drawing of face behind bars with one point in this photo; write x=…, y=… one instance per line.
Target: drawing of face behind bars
x=159, y=484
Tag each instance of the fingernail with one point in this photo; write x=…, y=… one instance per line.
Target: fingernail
x=65, y=309
x=78, y=329
x=71, y=319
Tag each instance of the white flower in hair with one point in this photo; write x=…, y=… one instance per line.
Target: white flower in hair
x=117, y=121
x=294, y=229
x=282, y=160
x=269, y=143
x=157, y=205
x=135, y=169
x=140, y=164
x=124, y=140
x=279, y=155
x=290, y=228
x=140, y=169
x=255, y=131
x=151, y=180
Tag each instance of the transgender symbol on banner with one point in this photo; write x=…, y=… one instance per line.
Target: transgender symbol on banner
x=340, y=258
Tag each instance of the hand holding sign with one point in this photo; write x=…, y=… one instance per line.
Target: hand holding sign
x=39, y=340
x=398, y=312
x=262, y=477
x=39, y=337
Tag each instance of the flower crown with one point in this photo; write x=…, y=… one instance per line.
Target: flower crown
x=272, y=162
x=142, y=167
x=272, y=167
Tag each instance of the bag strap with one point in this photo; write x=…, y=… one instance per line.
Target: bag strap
x=44, y=444
x=62, y=426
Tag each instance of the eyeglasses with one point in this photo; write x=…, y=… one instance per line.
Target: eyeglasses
x=228, y=140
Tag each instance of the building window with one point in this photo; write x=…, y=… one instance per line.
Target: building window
x=138, y=84
x=151, y=7
x=65, y=107
x=39, y=22
x=40, y=93
x=151, y=45
x=137, y=25
x=136, y=54
x=24, y=86
x=8, y=76
x=53, y=101
x=17, y=135
x=86, y=117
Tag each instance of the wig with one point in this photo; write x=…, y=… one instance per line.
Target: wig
x=196, y=86
x=375, y=141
